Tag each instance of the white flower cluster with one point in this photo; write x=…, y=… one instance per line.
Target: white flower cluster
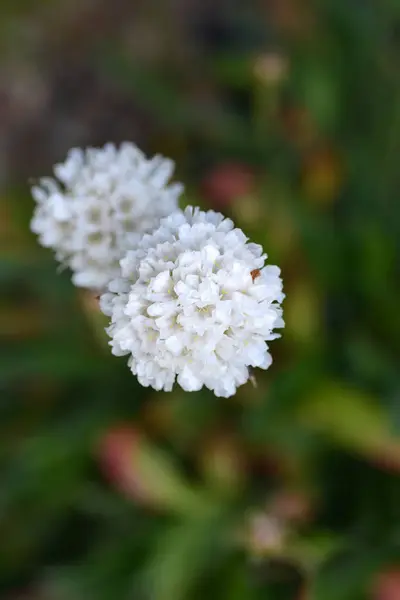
x=189, y=298
x=194, y=302
x=98, y=206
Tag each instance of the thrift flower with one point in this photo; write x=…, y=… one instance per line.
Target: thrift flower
x=194, y=303
x=98, y=205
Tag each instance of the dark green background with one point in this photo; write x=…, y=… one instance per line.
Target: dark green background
x=285, y=115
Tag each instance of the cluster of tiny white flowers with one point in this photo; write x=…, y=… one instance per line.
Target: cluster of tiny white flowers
x=98, y=206
x=189, y=299
x=194, y=302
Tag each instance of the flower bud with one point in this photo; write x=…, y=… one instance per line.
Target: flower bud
x=143, y=473
x=387, y=585
x=228, y=182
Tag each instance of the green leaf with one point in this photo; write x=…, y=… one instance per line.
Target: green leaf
x=186, y=552
x=351, y=419
x=349, y=575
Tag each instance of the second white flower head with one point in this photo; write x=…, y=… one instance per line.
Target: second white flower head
x=195, y=303
x=99, y=205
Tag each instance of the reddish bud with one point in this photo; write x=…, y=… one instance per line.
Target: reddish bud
x=387, y=585
x=227, y=183
x=144, y=473
x=117, y=459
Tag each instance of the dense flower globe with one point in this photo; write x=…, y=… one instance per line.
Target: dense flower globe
x=195, y=303
x=99, y=205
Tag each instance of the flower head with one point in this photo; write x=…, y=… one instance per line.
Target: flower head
x=98, y=205
x=194, y=302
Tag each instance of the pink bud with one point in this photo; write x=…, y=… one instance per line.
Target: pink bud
x=228, y=182
x=117, y=460
x=144, y=473
x=387, y=585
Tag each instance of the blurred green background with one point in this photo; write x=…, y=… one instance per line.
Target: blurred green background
x=285, y=115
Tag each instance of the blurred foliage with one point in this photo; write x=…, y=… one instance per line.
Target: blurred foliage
x=285, y=115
